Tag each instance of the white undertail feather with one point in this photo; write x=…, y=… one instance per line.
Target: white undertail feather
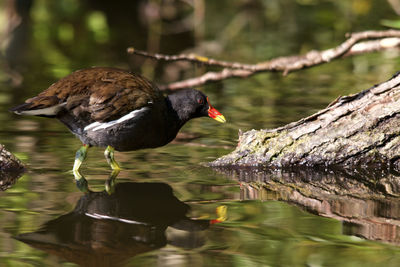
x=49, y=111
x=104, y=125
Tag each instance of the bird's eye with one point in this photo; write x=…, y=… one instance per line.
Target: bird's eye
x=200, y=101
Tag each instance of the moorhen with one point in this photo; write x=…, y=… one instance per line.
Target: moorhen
x=116, y=109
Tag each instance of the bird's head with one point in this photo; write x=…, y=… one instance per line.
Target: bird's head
x=191, y=103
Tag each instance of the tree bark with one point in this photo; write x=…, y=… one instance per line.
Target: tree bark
x=358, y=129
x=11, y=168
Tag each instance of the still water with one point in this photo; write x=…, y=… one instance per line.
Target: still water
x=165, y=201
x=167, y=208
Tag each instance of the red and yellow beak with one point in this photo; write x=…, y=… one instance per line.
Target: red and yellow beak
x=215, y=114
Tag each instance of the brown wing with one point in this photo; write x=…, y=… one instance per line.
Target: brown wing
x=99, y=94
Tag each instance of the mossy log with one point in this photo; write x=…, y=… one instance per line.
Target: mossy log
x=358, y=129
x=11, y=168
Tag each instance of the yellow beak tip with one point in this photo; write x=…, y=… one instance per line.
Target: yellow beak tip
x=220, y=118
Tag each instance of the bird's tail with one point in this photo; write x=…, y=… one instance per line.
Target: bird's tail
x=39, y=106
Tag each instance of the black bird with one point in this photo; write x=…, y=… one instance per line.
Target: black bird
x=113, y=108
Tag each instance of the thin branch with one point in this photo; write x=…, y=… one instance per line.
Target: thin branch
x=192, y=58
x=207, y=77
x=351, y=46
x=373, y=46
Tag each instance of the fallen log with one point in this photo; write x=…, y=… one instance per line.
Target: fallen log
x=11, y=168
x=355, y=130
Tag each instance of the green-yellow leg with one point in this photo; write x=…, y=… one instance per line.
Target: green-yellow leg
x=80, y=157
x=109, y=154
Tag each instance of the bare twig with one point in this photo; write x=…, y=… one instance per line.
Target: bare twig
x=207, y=77
x=352, y=46
x=373, y=46
x=192, y=58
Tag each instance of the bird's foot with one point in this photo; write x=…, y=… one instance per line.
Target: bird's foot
x=109, y=154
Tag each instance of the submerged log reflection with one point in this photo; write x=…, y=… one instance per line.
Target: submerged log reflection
x=368, y=205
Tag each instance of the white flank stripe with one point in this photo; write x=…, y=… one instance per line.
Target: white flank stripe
x=106, y=217
x=104, y=125
x=50, y=111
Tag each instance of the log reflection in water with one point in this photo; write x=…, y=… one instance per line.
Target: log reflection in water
x=368, y=205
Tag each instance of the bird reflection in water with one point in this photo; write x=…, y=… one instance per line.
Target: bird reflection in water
x=108, y=228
